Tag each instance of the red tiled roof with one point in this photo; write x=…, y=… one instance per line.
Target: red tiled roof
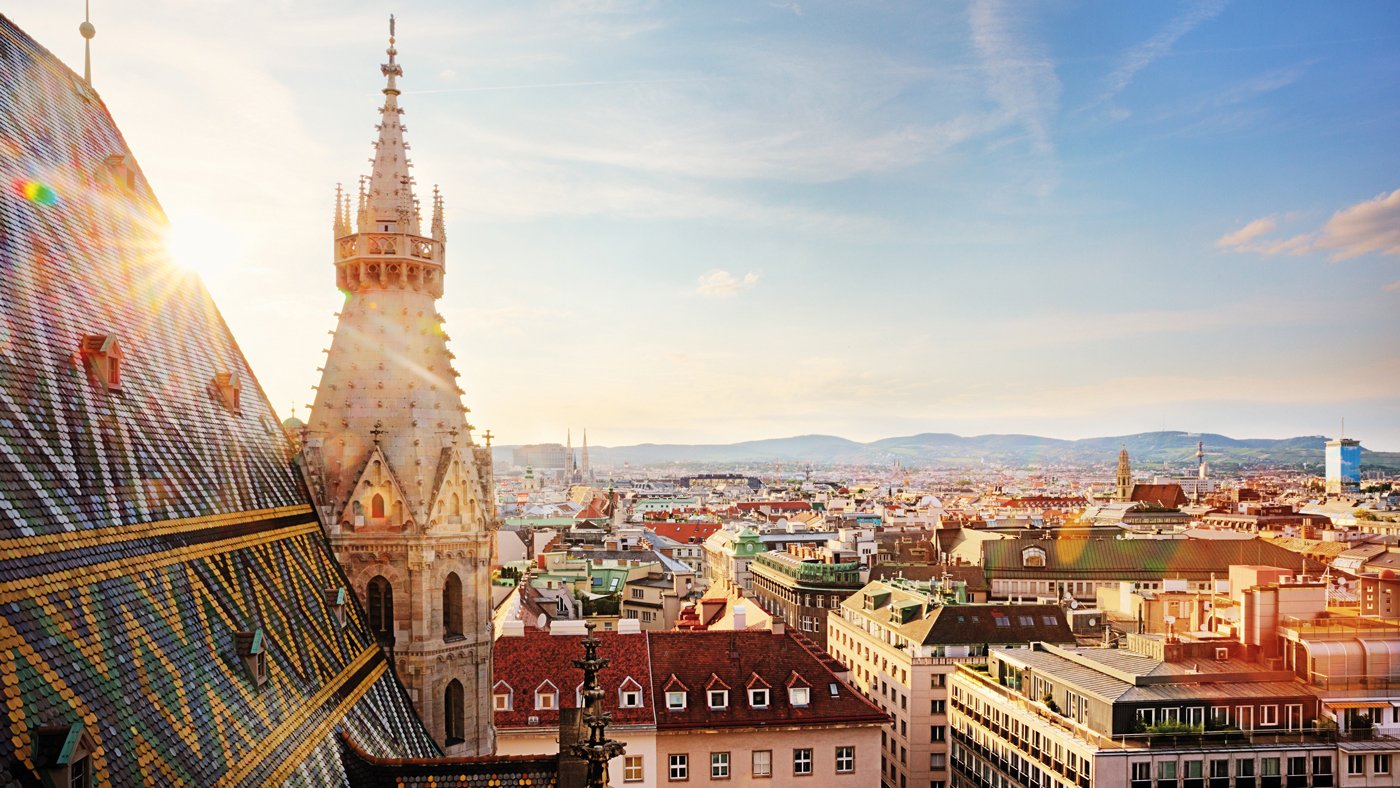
x=684, y=532
x=525, y=663
x=775, y=506
x=691, y=658
x=1169, y=496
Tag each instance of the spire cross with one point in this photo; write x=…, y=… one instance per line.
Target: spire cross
x=377, y=431
x=487, y=436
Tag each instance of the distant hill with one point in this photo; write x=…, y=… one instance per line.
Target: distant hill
x=1176, y=449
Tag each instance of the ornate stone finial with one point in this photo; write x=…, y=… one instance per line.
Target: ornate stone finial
x=362, y=218
x=439, y=229
x=87, y=31
x=338, y=226
x=599, y=749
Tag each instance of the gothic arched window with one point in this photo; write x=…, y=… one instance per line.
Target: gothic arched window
x=452, y=607
x=381, y=609
x=456, y=505
x=376, y=507
x=454, y=713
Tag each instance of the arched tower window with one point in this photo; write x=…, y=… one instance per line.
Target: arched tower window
x=454, y=713
x=381, y=609
x=452, y=607
x=376, y=507
x=456, y=507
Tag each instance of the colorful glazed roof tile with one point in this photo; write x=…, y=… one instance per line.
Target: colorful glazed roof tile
x=146, y=520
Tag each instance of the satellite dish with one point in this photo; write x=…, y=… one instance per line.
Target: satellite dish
x=1073, y=604
x=542, y=621
x=1170, y=620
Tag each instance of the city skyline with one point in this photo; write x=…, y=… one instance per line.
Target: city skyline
x=760, y=220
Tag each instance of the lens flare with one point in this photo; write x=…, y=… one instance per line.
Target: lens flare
x=36, y=192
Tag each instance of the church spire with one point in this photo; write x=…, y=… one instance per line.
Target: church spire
x=1125, y=475
x=391, y=199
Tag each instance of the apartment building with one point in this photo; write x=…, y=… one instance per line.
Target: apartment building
x=902, y=640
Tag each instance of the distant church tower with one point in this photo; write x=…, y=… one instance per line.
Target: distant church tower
x=1125, y=476
x=585, y=471
x=404, y=491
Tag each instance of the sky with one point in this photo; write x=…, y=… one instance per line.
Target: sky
x=707, y=222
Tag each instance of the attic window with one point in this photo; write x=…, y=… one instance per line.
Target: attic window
x=226, y=387
x=719, y=699
x=502, y=698
x=62, y=753
x=1033, y=557
x=629, y=695
x=675, y=701
x=546, y=697
x=758, y=698
x=834, y=689
x=251, y=650
x=103, y=357
x=799, y=696
x=335, y=600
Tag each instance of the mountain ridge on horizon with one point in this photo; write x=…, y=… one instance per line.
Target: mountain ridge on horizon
x=1173, y=447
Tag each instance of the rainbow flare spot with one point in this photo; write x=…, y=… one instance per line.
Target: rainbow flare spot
x=36, y=192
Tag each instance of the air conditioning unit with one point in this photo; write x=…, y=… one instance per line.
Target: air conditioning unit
x=1222, y=654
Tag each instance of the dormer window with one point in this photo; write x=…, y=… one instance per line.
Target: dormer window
x=629, y=695
x=63, y=754
x=675, y=701
x=502, y=697
x=719, y=699
x=104, y=359
x=335, y=600
x=228, y=391
x=799, y=696
x=546, y=697
x=1033, y=557
x=758, y=698
x=252, y=651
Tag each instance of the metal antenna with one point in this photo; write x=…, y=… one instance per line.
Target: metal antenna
x=87, y=31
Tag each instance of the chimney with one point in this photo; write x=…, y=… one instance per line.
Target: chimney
x=514, y=628
x=740, y=618
x=779, y=627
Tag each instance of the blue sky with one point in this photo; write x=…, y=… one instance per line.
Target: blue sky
x=718, y=221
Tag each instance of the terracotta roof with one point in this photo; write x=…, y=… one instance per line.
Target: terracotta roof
x=735, y=658
x=1169, y=496
x=143, y=528
x=684, y=532
x=1135, y=559
x=775, y=506
x=525, y=663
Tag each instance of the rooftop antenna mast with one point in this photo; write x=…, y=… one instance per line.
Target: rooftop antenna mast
x=88, y=31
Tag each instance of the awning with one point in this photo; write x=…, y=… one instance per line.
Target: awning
x=1356, y=704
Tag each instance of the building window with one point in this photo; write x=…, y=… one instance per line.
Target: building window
x=638, y=593
x=845, y=759
x=1219, y=716
x=1220, y=768
x=452, y=606
x=501, y=697
x=762, y=763
x=1166, y=770
x=802, y=761
x=719, y=699
x=680, y=767
x=1356, y=764
x=546, y=697
x=799, y=696
x=1268, y=767
x=1322, y=764
x=1142, y=772
x=632, y=769
x=1381, y=764
x=454, y=713
x=629, y=698
x=938, y=733
x=937, y=761
x=938, y=707
x=381, y=609
x=1244, y=767
x=675, y=701
x=1268, y=715
x=758, y=698
x=1297, y=765
x=719, y=766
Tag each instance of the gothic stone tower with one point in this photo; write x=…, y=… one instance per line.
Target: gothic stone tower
x=1124, y=476
x=404, y=491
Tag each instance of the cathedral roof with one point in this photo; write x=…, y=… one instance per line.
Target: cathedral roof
x=164, y=582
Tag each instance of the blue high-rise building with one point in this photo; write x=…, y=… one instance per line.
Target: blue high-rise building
x=1343, y=466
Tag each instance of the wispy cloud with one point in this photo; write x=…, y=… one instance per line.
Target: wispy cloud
x=1143, y=55
x=719, y=283
x=1020, y=73
x=1368, y=227
x=1246, y=234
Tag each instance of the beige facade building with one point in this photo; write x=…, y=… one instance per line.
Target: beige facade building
x=901, y=641
x=404, y=491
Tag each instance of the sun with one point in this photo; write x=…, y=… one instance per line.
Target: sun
x=203, y=245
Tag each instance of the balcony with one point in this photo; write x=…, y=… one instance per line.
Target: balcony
x=812, y=573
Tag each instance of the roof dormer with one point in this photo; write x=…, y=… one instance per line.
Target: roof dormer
x=251, y=649
x=228, y=391
x=103, y=358
x=62, y=753
x=1033, y=558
